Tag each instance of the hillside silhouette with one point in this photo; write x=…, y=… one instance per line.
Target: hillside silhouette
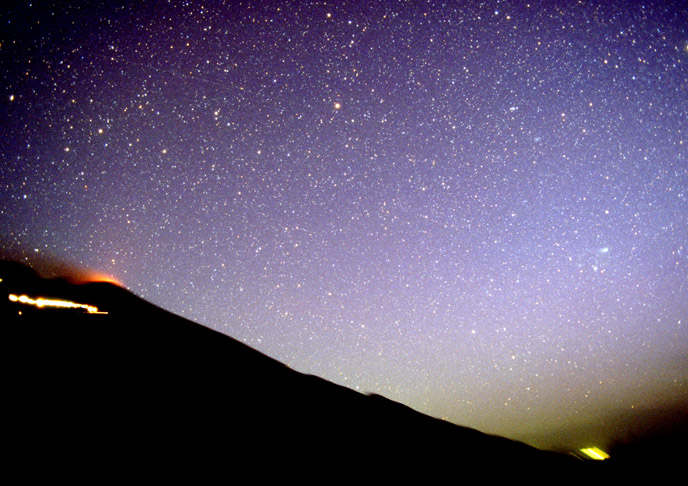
x=140, y=385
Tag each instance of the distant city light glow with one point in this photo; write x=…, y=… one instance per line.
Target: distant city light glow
x=102, y=277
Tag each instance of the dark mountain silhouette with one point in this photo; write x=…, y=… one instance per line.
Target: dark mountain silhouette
x=140, y=386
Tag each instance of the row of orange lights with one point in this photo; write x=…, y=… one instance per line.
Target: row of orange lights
x=65, y=304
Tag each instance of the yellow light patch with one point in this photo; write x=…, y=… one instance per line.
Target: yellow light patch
x=595, y=453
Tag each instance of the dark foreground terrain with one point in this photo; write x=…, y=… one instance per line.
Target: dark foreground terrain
x=139, y=388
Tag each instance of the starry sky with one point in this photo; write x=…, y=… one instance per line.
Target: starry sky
x=478, y=209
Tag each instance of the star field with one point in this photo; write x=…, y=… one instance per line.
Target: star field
x=478, y=209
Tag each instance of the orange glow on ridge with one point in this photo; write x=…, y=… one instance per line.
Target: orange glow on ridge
x=91, y=277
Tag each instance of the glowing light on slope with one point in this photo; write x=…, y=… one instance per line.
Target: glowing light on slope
x=595, y=453
x=65, y=304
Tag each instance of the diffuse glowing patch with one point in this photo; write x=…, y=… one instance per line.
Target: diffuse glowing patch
x=65, y=304
x=100, y=277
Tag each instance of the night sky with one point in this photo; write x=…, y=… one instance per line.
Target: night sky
x=478, y=209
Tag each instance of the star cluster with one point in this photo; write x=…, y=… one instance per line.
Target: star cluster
x=479, y=209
